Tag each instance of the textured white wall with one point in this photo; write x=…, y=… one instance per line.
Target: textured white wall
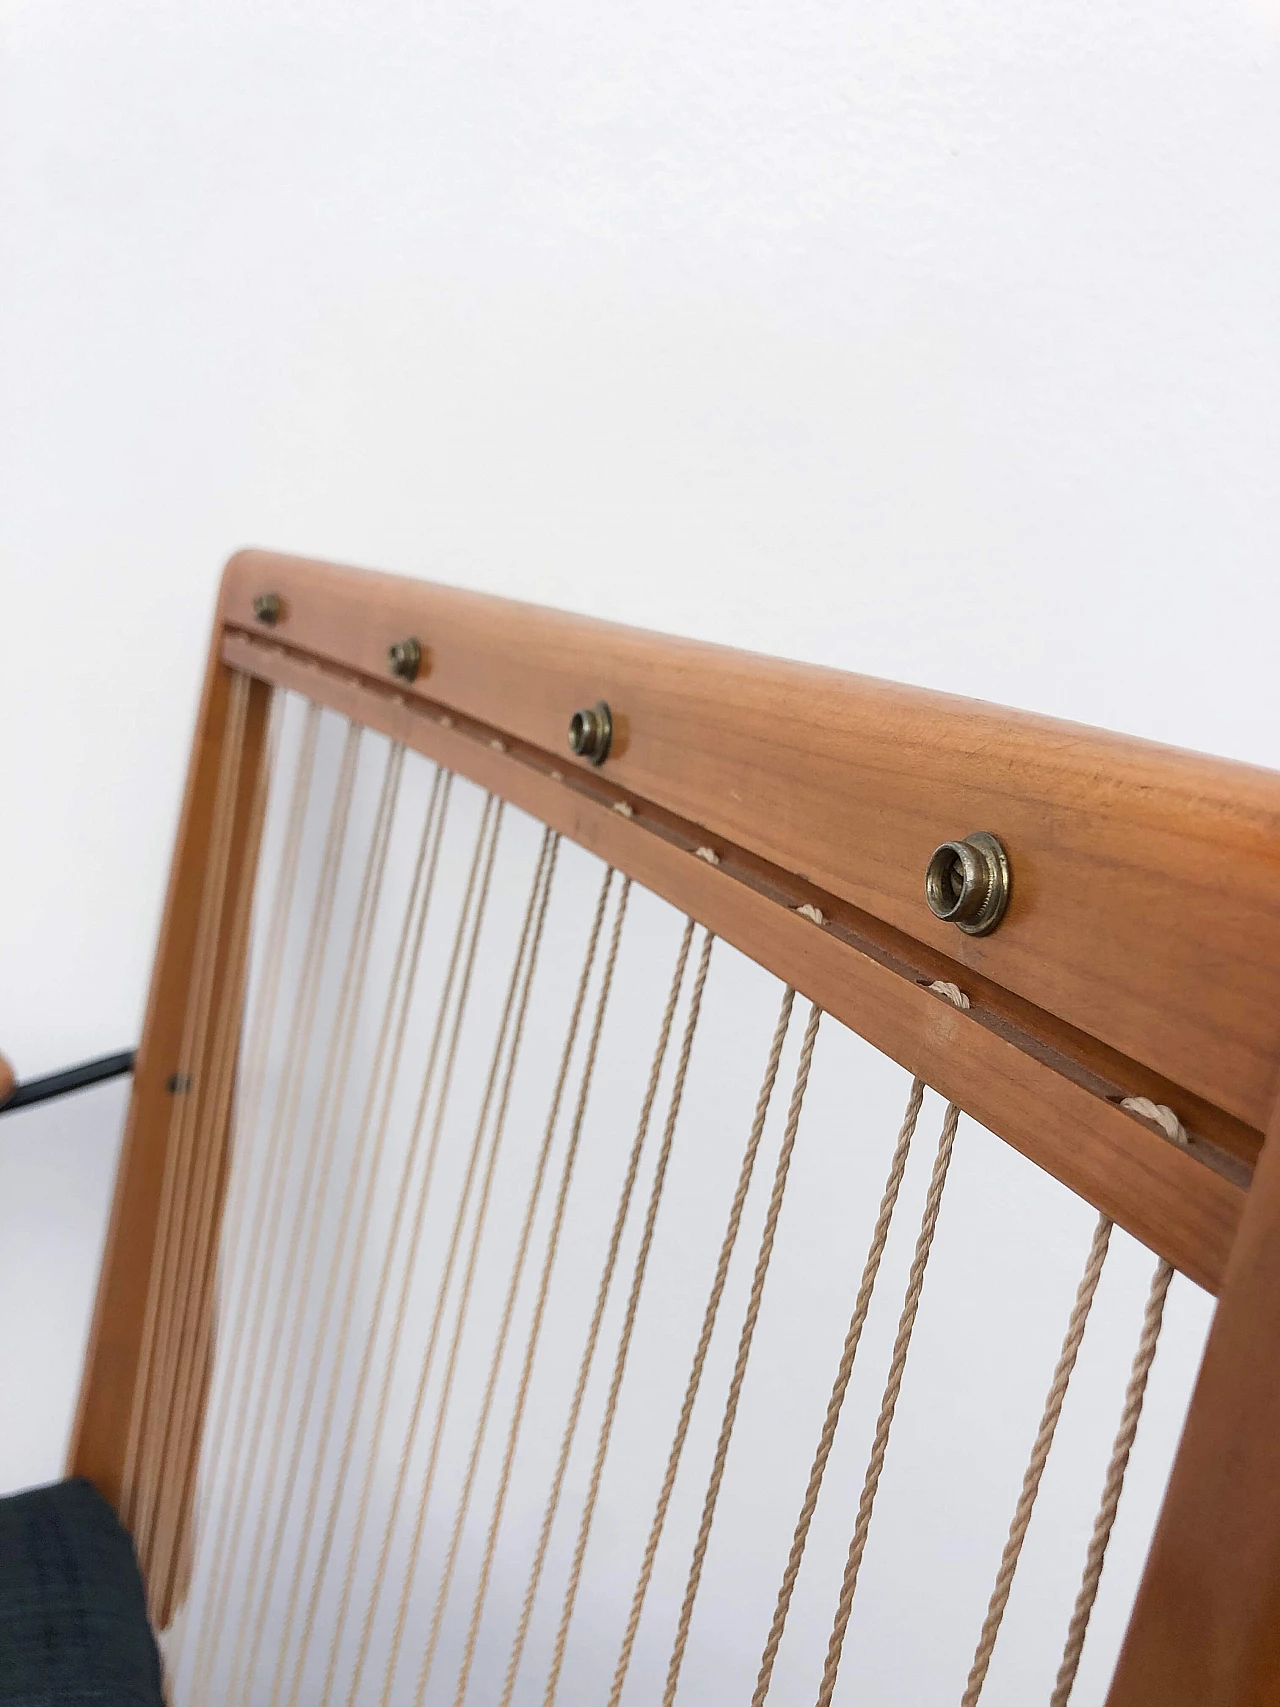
x=934, y=339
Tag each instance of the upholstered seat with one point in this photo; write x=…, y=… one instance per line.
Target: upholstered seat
x=73, y=1619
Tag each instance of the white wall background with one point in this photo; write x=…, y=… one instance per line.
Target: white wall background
x=931, y=339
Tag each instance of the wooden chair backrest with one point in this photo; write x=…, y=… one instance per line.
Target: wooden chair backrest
x=792, y=811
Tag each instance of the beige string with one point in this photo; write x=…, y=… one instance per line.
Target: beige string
x=745, y=1338
x=489, y=826
x=593, y=1331
x=1135, y=1393
x=704, y=1339
x=281, y=1143
x=893, y=1386
x=551, y=847
x=1039, y=1458
x=178, y=1446
x=327, y=1120
x=629, y=1318
x=383, y=1075
x=138, y=1488
x=468, y=921
x=826, y=1440
x=515, y=1005
x=248, y=1115
x=433, y=832
x=553, y=1235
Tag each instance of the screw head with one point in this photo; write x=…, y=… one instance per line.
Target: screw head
x=591, y=732
x=968, y=883
x=404, y=659
x=267, y=608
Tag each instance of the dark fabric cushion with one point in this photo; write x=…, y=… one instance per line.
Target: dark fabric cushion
x=73, y=1618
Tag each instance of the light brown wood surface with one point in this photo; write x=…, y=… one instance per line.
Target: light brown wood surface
x=7, y=1080
x=1146, y=887
x=1173, y=1202
x=1205, y=1629
x=100, y=1433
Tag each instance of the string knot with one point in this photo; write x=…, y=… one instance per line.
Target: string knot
x=950, y=993
x=1161, y=1115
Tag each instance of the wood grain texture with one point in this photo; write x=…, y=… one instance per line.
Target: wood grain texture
x=100, y=1432
x=1146, y=890
x=1164, y=1196
x=1205, y=1628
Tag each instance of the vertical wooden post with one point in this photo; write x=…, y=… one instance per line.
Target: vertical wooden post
x=1205, y=1628
x=100, y=1435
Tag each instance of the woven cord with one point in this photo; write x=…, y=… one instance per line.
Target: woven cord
x=593, y=1331
x=437, y=812
x=450, y=1016
x=866, y=1288
x=553, y=1240
x=281, y=1143
x=487, y=842
x=396, y=1012
x=1039, y=1458
x=629, y=1319
x=327, y=1121
x=744, y=1351
x=244, y=1235
x=1113, y=1486
x=534, y=922
x=504, y=1328
x=893, y=1387
x=703, y=1346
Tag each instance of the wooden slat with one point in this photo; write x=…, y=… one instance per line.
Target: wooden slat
x=1171, y=1201
x=1205, y=1629
x=100, y=1433
x=1146, y=893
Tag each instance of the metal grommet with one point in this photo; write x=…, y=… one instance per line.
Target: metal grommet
x=267, y=608
x=591, y=732
x=404, y=659
x=968, y=882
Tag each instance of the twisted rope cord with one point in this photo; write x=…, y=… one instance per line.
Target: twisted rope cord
x=871, y=1269
x=1135, y=1393
x=744, y=1350
x=437, y=813
x=138, y=1489
x=552, y=1245
x=893, y=1387
x=242, y=1237
x=504, y=1325
x=190, y=1372
x=466, y=919
x=281, y=1144
x=516, y=1004
x=593, y=1331
x=540, y=894
x=327, y=1118
x=1039, y=1458
x=704, y=1341
x=408, y=956
x=629, y=1318
x=490, y=824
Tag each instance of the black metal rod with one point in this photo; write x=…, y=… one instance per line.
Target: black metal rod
x=69, y=1079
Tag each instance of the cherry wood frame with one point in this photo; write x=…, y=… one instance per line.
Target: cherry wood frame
x=1140, y=956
